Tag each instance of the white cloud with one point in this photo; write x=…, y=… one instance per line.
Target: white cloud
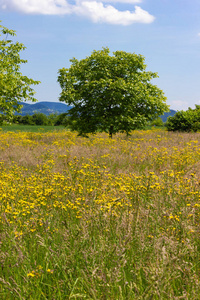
x=97, y=12
x=199, y=34
x=47, y=7
x=94, y=10
x=121, y=1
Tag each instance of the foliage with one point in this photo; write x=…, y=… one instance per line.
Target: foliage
x=36, y=119
x=40, y=119
x=14, y=87
x=157, y=122
x=61, y=119
x=25, y=120
x=188, y=120
x=77, y=223
x=52, y=118
x=110, y=93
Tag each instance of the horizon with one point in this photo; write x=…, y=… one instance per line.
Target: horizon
x=61, y=102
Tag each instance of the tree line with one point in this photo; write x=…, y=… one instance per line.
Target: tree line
x=58, y=120
x=182, y=121
x=41, y=119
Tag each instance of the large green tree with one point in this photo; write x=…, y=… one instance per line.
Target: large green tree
x=14, y=87
x=110, y=93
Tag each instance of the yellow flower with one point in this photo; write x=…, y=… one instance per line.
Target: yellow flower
x=31, y=274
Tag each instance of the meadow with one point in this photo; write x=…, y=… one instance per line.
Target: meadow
x=31, y=128
x=99, y=218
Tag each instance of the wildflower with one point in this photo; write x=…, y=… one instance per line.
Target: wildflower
x=32, y=274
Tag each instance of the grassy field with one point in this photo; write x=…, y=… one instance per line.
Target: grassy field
x=99, y=218
x=30, y=128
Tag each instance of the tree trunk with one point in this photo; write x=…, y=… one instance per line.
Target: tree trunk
x=111, y=131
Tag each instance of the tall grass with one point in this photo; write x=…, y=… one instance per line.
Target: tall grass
x=30, y=128
x=98, y=218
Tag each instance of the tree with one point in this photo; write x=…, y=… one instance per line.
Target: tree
x=40, y=119
x=61, y=119
x=110, y=93
x=14, y=87
x=25, y=120
x=157, y=122
x=188, y=120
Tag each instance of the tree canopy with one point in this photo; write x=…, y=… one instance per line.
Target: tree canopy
x=14, y=87
x=110, y=93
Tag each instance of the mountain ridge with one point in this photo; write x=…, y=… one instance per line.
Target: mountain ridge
x=47, y=108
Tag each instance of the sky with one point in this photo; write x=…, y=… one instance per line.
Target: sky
x=165, y=32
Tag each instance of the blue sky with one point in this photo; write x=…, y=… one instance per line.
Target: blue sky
x=165, y=32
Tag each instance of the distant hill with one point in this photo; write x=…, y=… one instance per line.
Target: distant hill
x=44, y=107
x=48, y=108
x=171, y=113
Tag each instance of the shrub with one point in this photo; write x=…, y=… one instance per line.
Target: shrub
x=157, y=122
x=185, y=120
x=61, y=119
x=40, y=119
x=26, y=120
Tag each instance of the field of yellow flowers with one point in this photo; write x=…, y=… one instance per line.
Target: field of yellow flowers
x=99, y=218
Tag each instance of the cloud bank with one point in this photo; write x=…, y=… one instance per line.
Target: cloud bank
x=98, y=11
